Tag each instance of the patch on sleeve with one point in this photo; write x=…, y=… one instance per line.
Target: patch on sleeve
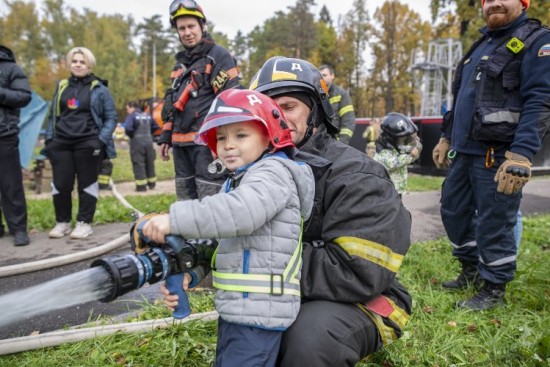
x=544, y=50
x=219, y=80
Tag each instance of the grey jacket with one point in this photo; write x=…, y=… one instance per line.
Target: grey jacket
x=258, y=223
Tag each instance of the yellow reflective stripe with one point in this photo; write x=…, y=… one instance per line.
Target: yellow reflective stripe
x=335, y=99
x=296, y=258
x=346, y=132
x=372, y=251
x=151, y=179
x=399, y=316
x=387, y=333
x=345, y=109
x=283, y=75
x=103, y=179
x=141, y=182
x=255, y=289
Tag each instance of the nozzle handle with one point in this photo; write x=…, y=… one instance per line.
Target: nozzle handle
x=174, y=283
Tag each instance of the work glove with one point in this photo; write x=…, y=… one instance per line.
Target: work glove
x=439, y=154
x=513, y=173
x=138, y=242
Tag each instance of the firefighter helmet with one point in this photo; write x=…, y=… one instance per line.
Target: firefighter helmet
x=281, y=75
x=398, y=131
x=179, y=8
x=239, y=105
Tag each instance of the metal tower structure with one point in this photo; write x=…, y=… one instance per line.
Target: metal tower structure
x=438, y=69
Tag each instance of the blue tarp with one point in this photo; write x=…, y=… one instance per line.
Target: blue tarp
x=31, y=119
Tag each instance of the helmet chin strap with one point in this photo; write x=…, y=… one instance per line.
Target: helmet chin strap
x=311, y=125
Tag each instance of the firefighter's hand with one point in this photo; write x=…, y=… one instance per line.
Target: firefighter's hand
x=171, y=300
x=513, y=173
x=157, y=228
x=439, y=154
x=165, y=151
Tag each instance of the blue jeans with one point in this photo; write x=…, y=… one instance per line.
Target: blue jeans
x=243, y=346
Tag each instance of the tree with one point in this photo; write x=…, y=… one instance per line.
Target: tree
x=398, y=32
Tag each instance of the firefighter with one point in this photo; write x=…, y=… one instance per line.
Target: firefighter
x=500, y=113
x=202, y=71
x=344, y=118
x=140, y=126
x=355, y=240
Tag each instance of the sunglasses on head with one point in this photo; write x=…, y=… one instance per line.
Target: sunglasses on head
x=178, y=4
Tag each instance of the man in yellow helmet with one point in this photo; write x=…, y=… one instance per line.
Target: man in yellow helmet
x=202, y=71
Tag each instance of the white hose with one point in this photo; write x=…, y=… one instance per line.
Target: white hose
x=54, y=338
x=65, y=259
x=72, y=258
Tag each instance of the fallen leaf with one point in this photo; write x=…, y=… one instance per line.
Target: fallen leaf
x=452, y=323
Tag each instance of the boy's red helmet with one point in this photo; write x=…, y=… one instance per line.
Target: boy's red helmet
x=239, y=105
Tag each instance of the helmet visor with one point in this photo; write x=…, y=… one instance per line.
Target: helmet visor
x=191, y=6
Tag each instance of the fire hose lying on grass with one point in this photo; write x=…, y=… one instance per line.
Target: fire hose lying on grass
x=109, y=278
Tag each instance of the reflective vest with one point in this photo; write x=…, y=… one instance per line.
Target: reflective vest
x=286, y=283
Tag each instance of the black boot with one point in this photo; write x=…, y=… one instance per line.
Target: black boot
x=491, y=295
x=151, y=185
x=21, y=238
x=141, y=188
x=468, y=276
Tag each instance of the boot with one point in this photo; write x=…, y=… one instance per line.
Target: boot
x=467, y=276
x=491, y=295
x=141, y=188
x=21, y=238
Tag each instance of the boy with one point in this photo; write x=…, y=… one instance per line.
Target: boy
x=398, y=147
x=258, y=217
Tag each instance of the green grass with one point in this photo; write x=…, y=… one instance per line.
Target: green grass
x=417, y=183
x=122, y=166
x=41, y=215
x=516, y=335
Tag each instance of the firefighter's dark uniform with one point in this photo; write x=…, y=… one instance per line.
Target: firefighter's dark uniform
x=140, y=126
x=353, y=305
x=344, y=117
x=199, y=75
x=502, y=99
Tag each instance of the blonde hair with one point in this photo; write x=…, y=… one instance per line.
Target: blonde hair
x=88, y=56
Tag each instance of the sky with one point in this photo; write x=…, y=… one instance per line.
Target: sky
x=229, y=16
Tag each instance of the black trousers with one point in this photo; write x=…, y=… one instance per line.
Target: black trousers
x=328, y=334
x=12, y=193
x=192, y=177
x=80, y=160
x=142, y=154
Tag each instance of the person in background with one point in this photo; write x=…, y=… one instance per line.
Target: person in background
x=140, y=126
x=203, y=70
x=15, y=93
x=79, y=136
x=399, y=147
x=344, y=118
x=352, y=302
x=500, y=113
x=371, y=135
x=258, y=216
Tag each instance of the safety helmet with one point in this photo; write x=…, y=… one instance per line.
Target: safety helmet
x=239, y=105
x=281, y=76
x=397, y=131
x=179, y=8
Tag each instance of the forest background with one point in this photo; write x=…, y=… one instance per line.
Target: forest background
x=396, y=36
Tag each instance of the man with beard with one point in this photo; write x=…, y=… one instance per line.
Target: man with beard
x=501, y=112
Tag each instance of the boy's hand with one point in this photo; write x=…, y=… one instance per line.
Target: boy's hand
x=157, y=228
x=171, y=300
